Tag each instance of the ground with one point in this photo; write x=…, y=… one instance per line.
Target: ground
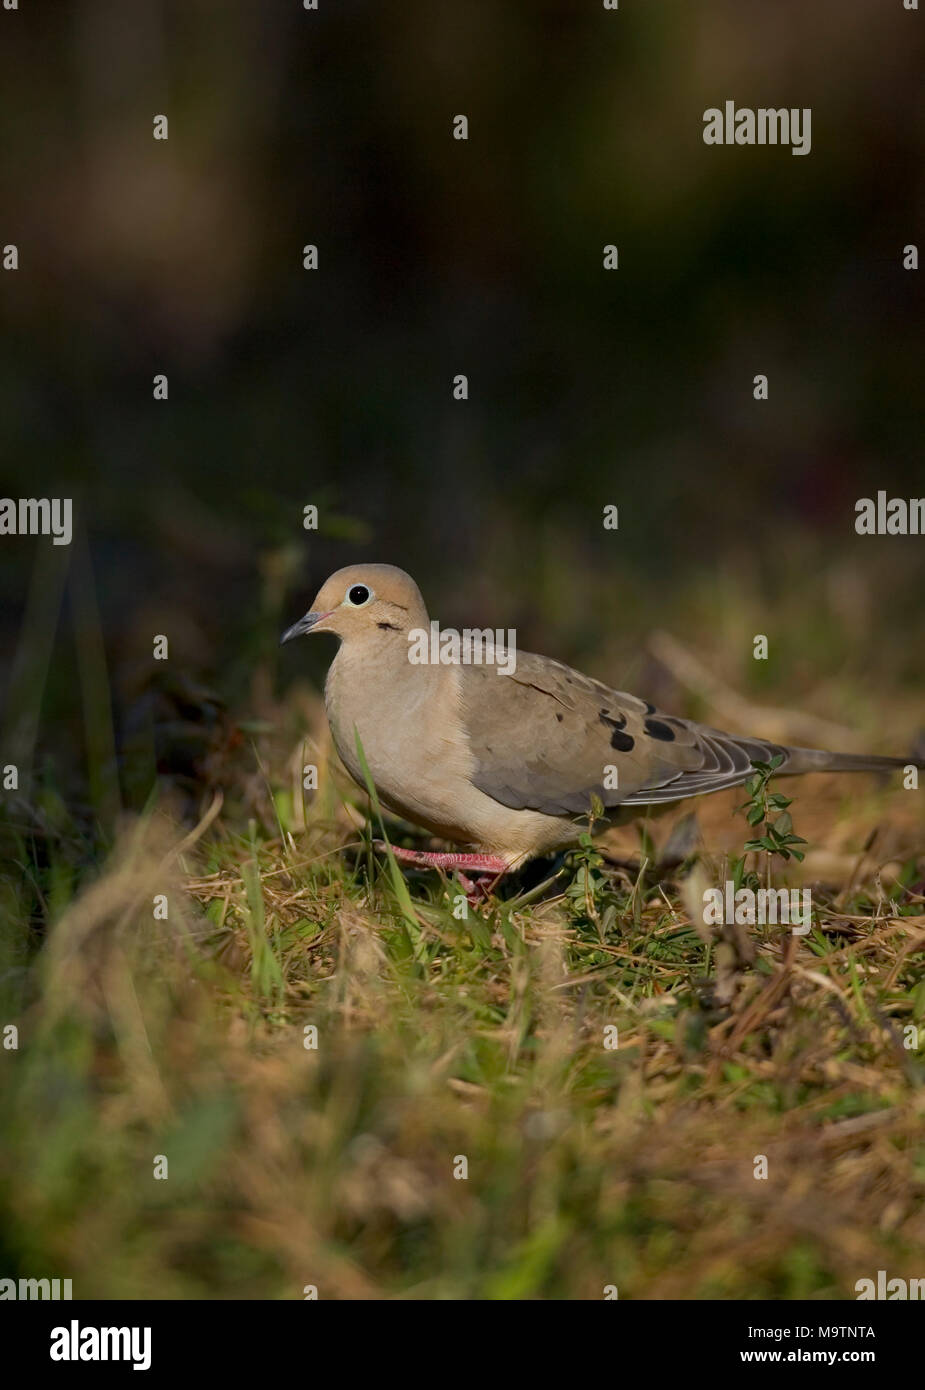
x=460, y=1123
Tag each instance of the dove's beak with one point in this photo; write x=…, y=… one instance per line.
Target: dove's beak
x=311, y=620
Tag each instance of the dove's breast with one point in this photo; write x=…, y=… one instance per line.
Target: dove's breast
x=416, y=746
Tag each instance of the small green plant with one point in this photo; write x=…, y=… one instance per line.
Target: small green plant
x=767, y=810
x=590, y=894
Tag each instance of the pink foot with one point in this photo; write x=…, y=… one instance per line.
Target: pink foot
x=475, y=863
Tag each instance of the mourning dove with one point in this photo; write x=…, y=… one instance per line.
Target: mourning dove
x=507, y=756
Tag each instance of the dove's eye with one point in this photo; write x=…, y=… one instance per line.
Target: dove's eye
x=358, y=595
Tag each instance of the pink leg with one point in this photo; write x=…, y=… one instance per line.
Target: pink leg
x=431, y=859
x=475, y=863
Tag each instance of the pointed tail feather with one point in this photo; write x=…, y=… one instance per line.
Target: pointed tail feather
x=819, y=760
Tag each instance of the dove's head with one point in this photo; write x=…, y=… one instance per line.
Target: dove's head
x=363, y=601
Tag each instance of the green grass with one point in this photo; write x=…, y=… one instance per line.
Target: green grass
x=480, y=1040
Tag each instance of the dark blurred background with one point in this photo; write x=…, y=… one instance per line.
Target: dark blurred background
x=438, y=257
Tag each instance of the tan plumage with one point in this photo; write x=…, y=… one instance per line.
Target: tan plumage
x=509, y=763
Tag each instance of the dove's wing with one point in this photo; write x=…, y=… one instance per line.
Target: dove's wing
x=548, y=738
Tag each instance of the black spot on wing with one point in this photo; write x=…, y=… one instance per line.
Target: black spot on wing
x=656, y=729
x=622, y=742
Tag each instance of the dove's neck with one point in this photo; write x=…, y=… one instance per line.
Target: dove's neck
x=374, y=689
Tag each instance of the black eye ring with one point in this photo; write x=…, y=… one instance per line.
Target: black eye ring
x=358, y=595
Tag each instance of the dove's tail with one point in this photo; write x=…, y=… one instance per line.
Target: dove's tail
x=799, y=760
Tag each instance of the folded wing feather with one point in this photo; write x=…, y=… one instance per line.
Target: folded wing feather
x=544, y=737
